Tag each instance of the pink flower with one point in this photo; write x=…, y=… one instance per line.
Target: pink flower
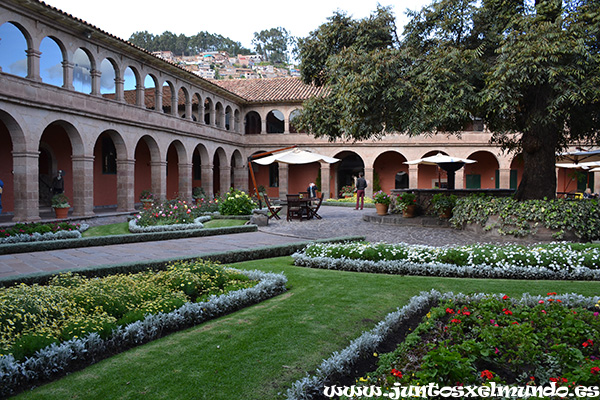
x=541, y=301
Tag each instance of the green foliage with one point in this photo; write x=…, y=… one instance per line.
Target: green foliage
x=442, y=202
x=497, y=340
x=376, y=182
x=347, y=190
x=273, y=44
x=184, y=45
x=32, y=317
x=582, y=217
x=382, y=197
x=37, y=227
x=236, y=202
x=146, y=195
x=405, y=199
x=60, y=201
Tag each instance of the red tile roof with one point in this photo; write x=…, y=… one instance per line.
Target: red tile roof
x=267, y=90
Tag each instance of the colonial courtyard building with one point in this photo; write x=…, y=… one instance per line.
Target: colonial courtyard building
x=118, y=120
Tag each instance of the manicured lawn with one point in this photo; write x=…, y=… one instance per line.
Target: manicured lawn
x=258, y=352
x=123, y=229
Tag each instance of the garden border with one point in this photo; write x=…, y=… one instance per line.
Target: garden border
x=340, y=362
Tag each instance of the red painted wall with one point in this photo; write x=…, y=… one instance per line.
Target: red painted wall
x=387, y=165
x=6, y=167
x=172, y=173
x=143, y=171
x=300, y=175
x=485, y=166
x=56, y=138
x=105, y=185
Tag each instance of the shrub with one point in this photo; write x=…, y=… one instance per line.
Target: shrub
x=236, y=202
x=521, y=218
x=146, y=195
x=442, y=202
x=60, y=201
x=404, y=200
x=168, y=213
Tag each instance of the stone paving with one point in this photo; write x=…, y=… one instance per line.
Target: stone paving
x=336, y=222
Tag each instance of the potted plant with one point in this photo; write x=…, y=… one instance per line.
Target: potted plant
x=407, y=203
x=147, y=199
x=382, y=202
x=198, y=194
x=347, y=191
x=443, y=204
x=60, y=203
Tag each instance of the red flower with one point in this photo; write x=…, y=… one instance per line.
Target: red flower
x=595, y=370
x=552, y=294
x=487, y=374
x=456, y=321
x=396, y=373
x=449, y=311
x=587, y=343
x=507, y=311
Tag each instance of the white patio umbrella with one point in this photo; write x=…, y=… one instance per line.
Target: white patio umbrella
x=295, y=156
x=445, y=162
x=578, y=157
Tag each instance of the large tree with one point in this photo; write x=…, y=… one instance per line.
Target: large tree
x=272, y=44
x=531, y=71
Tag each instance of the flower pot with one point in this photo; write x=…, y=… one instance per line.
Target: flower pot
x=410, y=211
x=446, y=213
x=381, y=209
x=147, y=204
x=61, y=213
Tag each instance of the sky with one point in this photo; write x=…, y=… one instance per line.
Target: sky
x=235, y=19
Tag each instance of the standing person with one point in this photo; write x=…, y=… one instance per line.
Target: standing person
x=1, y=190
x=361, y=185
x=58, y=184
x=312, y=190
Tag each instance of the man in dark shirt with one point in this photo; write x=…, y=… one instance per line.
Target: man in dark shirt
x=361, y=185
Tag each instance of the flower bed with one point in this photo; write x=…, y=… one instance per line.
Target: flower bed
x=33, y=232
x=170, y=212
x=421, y=352
x=570, y=261
x=113, y=314
x=196, y=224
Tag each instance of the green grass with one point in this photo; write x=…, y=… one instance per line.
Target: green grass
x=258, y=352
x=122, y=228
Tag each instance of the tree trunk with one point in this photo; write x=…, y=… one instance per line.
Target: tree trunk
x=539, y=162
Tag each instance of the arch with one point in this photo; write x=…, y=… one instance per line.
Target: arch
x=228, y=120
x=236, y=121
x=176, y=154
x=347, y=170
x=484, y=174
x=208, y=110
x=6, y=164
x=131, y=79
x=51, y=61
x=107, y=149
x=219, y=164
x=431, y=176
x=219, y=115
x=15, y=42
x=197, y=109
x=82, y=71
x=182, y=102
x=169, y=100
x=252, y=123
x=516, y=172
x=146, y=152
x=151, y=92
x=108, y=77
x=293, y=115
x=199, y=158
x=390, y=172
x=275, y=122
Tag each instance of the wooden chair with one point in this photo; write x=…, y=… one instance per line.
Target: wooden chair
x=294, y=207
x=312, y=210
x=273, y=209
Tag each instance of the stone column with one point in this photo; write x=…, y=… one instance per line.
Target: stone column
x=26, y=190
x=188, y=110
x=159, y=179
x=140, y=96
x=286, y=125
x=413, y=176
x=240, y=179
x=33, y=65
x=174, y=103
x=185, y=181
x=119, y=90
x=596, y=188
x=158, y=99
x=325, y=180
x=504, y=178
x=459, y=178
x=263, y=126
x=369, y=178
x=83, y=186
x=207, y=179
x=95, y=74
x=125, y=185
x=68, y=75
x=283, y=181
x=225, y=179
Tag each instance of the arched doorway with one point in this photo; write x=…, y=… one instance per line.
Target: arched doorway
x=347, y=169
